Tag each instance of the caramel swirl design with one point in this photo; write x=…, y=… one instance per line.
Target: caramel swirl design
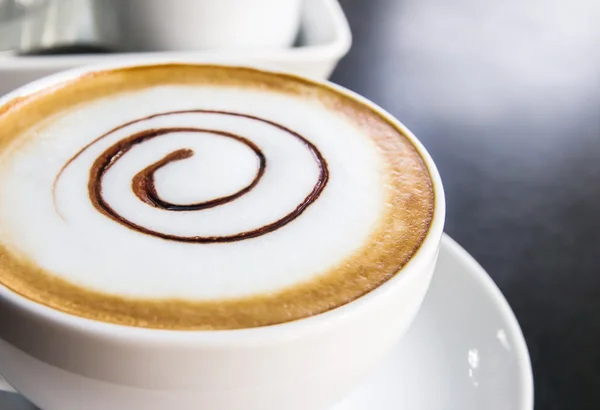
x=143, y=183
x=305, y=197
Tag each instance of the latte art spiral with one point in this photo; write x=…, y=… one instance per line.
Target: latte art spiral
x=143, y=184
x=204, y=197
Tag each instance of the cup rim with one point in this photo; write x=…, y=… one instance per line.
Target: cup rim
x=254, y=335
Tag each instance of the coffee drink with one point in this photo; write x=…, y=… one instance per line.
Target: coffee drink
x=204, y=197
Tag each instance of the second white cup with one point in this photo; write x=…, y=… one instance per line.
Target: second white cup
x=180, y=25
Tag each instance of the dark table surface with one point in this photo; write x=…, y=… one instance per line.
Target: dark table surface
x=505, y=95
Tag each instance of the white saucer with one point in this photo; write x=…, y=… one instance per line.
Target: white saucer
x=465, y=350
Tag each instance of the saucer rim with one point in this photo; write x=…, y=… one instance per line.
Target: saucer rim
x=519, y=346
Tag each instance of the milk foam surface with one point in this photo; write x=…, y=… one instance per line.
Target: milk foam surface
x=66, y=235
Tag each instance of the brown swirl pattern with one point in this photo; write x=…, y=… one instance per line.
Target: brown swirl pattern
x=143, y=185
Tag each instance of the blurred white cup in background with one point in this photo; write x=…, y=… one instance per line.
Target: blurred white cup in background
x=207, y=24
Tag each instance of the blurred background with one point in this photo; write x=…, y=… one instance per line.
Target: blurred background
x=505, y=95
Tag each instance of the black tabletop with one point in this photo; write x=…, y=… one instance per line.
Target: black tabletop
x=505, y=95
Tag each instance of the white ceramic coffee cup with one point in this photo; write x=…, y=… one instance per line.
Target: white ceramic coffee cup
x=207, y=24
x=65, y=362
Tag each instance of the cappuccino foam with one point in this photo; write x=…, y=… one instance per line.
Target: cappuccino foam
x=203, y=197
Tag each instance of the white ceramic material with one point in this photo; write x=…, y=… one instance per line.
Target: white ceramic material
x=465, y=350
x=324, y=39
x=307, y=364
x=207, y=24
